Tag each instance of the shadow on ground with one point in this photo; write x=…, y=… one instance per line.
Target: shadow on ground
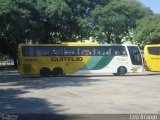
x=31, y=107
x=13, y=85
x=11, y=104
x=36, y=82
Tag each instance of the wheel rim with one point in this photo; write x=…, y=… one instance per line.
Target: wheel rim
x=121, y=71
x=45, y=72
x=57, y=72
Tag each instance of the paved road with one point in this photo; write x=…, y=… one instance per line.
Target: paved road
x=98, y=94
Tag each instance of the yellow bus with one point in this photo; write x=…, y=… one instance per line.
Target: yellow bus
x=78, y=58
x=152, y=57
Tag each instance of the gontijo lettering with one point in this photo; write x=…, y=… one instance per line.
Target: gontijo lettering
x=66, y=59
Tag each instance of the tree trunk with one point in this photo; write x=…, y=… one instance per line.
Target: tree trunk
x=15, y=63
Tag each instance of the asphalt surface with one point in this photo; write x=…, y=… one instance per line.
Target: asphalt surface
x=80, y=94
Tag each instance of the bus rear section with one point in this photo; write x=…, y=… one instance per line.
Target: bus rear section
x=152, y=57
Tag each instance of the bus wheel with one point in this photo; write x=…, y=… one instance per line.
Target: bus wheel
x=121, y=71
x=45, y=72
x=57, y=71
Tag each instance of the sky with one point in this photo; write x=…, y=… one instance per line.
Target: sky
x=154, y=5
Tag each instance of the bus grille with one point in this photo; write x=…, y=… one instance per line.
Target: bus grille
x=27, y=68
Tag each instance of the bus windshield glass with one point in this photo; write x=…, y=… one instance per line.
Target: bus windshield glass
x=135, y=55
x=154, y=50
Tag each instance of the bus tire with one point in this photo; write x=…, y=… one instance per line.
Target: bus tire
x=57, y=71
x=45, y=72
x=121, y=71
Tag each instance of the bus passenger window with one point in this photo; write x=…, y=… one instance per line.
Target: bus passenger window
x=39, y=51
x=53, y=52
x=107, y=52
x=71, y=51
x=98, y=52
x=116, y=52
x=86, y=51
x=45, y=51
x=56, y=51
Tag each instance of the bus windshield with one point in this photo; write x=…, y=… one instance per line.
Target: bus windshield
x=154, y=50
x=135, y=55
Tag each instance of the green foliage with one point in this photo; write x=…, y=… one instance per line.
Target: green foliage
x=113, y=21
x=70, y=19
x=148, y=30
x=49, y=21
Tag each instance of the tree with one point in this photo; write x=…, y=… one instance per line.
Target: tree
x=7, y=13
x=49, y=21
x=19, y=20
x=114, y=20
x=43, y=21
x=70, y=19
x=148, y=30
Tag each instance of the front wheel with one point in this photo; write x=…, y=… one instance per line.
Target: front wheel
x=121, y=71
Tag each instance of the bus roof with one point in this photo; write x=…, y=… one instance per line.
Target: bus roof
x=76, y=44
x=152, y=45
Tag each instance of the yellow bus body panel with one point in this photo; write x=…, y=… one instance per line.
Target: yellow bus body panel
x=152, y=62
x=34, y=64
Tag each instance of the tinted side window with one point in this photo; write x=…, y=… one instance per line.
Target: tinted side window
x=42, y=51
x=49, y=51
x=24, y=51
x=73, y=51
x=28, y=51
x=56, y=51
x=118, y=50
x=103, y=50
x=86, y=51
x=154, y=50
